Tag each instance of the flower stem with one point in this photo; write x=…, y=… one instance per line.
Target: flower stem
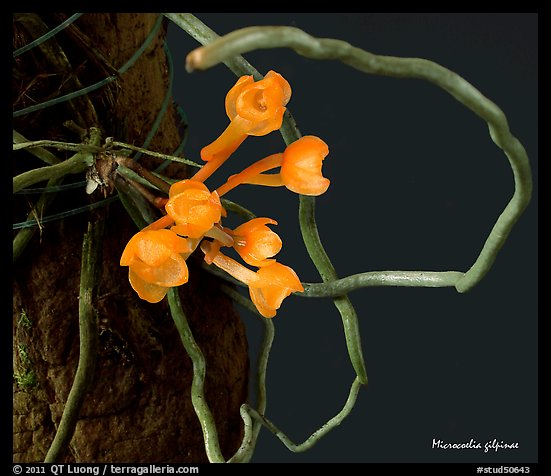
x=232, y=267
x=163, y=222
x=253, y=170
x=226, y=143
x=208, y=169
x=266, y=180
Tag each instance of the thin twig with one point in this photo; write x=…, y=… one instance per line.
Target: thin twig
x=135, y=204
x=200, y=405
x=246, y=449
x=88, y=339
x=238, y=209
x=247, y=446
x=81, y=92
x=82, y=108
x=77, y=163
x=339, y=287
x=143, y=191
x=42, y=154
x=54, y=31
x=203, y=34
x=314, y=246
x=354, y=282
x=54, y=144
x=88, y=47
x=152, y=154
x=318, y=434
x=24, y=236
x=143, y=172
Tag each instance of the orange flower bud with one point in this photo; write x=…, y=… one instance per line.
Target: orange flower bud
x=255, y=242
x=276, y=282
x=193, y=207
x=156, y=262
x=301, y=166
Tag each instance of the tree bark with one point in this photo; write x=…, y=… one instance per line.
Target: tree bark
x=139, y=408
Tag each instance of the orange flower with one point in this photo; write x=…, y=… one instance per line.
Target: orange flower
x=156, y=262
x=258, y=105
x=276, y=282
x=254, y=108
x=193, y=207
x=300, y=170
x=268, y=287
x=255, y=242
x=301, y=166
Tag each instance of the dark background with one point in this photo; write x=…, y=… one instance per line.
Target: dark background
x=416, y=184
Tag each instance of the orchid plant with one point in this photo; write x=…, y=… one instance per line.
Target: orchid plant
x=193, y=214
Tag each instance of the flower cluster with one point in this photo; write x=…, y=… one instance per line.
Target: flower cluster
x=156, y=256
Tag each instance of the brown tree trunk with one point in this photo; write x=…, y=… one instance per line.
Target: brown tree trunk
x=139, y=408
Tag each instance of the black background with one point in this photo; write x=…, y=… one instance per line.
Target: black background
x=416, y=184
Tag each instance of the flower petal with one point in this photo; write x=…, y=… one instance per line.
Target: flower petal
x=185, y=186
x=129, y=253
x=153, y=247
x=283, y=84
x=258, y=299
x=149, y=292
x=277, y=282
x=156, y=246
x=173, y=272
x=233, y=94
